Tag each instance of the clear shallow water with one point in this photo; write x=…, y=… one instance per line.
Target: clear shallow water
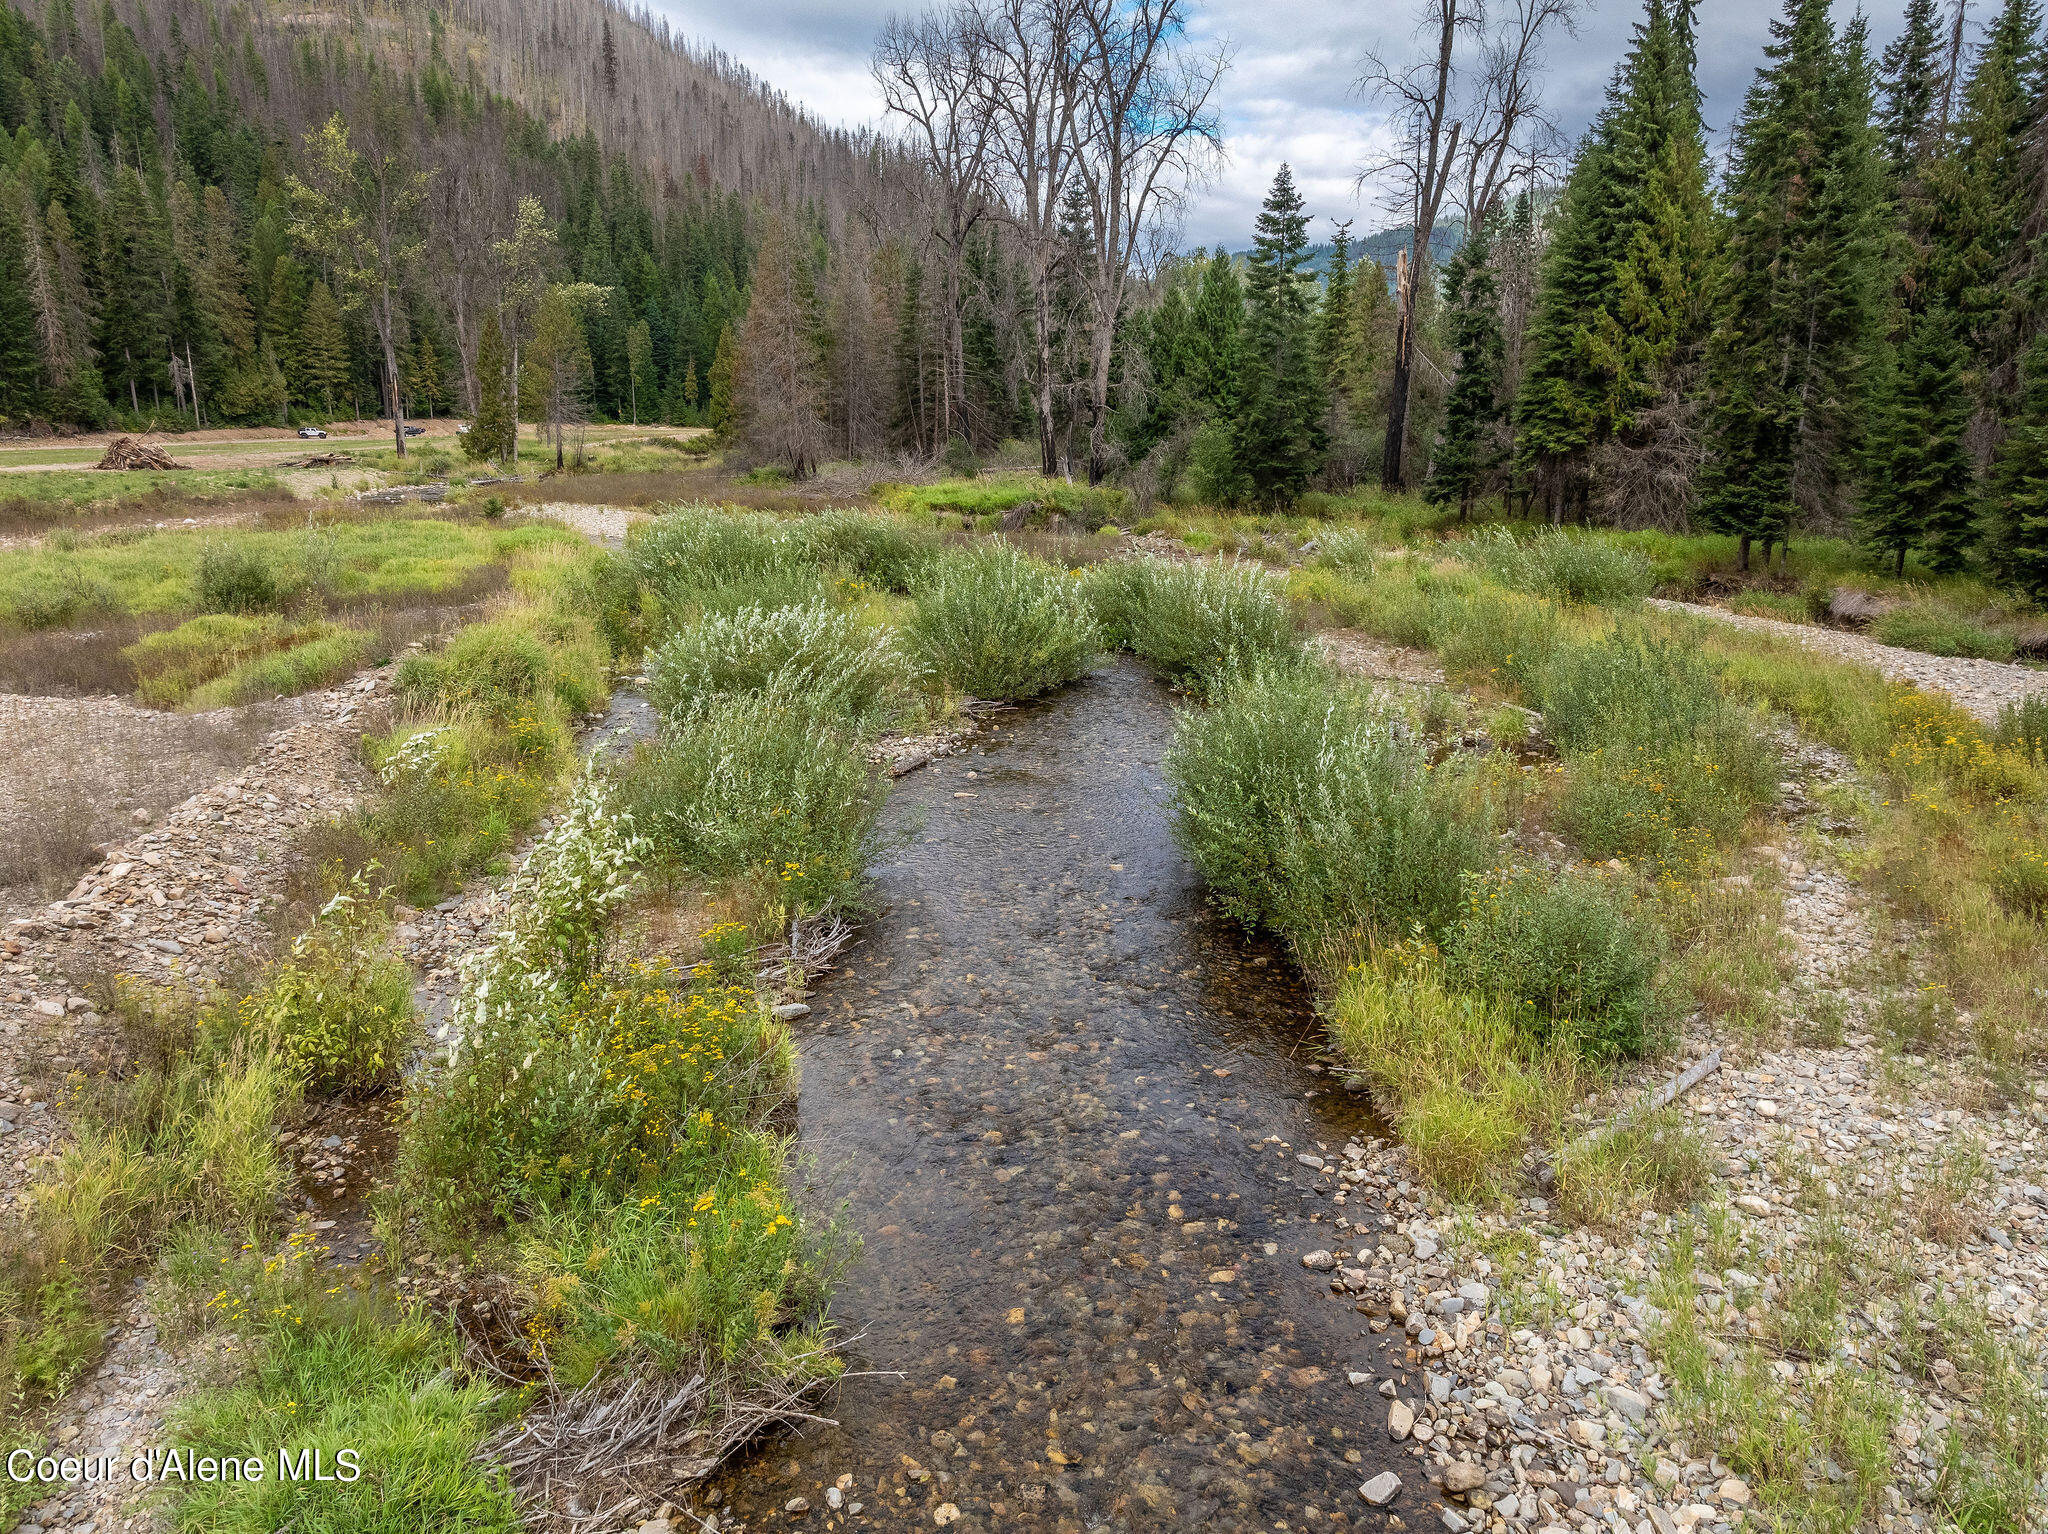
x=1041, y=1086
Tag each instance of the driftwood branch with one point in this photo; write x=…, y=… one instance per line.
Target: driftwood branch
x=1663, y=1097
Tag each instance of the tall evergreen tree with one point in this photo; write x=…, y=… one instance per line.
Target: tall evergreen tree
x=492, y=435
x=1919, y=491
x=2018, y=498
x=1912, y=88
x=323, y=348
x=1977, y=201
x=1621, y=280
x=1334, y=326
x=1469, y=453
x=1278, y=433
x=1797, y=287
x=718, y=409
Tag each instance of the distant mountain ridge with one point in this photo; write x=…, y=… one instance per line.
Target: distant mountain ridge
x=1383, y=245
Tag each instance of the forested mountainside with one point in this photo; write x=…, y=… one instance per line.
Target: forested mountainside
x=161, y=245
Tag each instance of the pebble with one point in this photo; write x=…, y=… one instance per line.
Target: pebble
x=1382, y=1489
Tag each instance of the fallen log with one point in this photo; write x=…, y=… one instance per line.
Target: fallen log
x=133, y=453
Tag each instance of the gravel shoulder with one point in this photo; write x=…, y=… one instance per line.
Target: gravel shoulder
x=1983, y=687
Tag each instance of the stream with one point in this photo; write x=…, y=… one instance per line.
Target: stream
x=1042, y=1088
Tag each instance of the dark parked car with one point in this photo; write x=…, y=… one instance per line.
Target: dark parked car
x=313, y=432
x=415, y=431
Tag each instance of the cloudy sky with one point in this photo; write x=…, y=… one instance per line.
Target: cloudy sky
x=1288, y=94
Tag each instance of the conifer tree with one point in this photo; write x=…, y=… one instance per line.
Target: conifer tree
x=1334, y=333
x=492, y=432
x=134, y=338
x=1795, y=322
x=1621, y=281
x=1468, y=455
x=1215, y=335
x=1919, y=491
x=323, y=348
x=639, y=364
x=1278, y=433
x=1912, y=87
x=20, y=365
x=1977, y=202
x=2018, y=499
x=718, y=407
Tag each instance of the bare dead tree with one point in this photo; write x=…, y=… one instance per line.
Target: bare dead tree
x=1511, y=140
x=1469, y=115
x=1036, y=52
x=933, y=72
x=1148, y=136
x=1422, y=96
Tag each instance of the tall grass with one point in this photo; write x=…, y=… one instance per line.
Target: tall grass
x=838, y=664
x=1198, y=623
x=1563, y=563
x=993, y=623
x=1462, y=1081
x=1310, y=811
x=1661, y=763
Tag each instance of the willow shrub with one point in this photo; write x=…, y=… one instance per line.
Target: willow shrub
x=992, y=623
x=879, y=551
x=762, y=787
x=1194, y=621
x=1311, y=812
x=841, y=665
x=1570, y=953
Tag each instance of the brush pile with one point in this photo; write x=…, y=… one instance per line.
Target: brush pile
x=134, y=453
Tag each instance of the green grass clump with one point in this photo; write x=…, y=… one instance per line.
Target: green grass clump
x=173, y=664
x=1354, y=551
x=1939, y=630
x=1564, y=564
x=1198, y=623
x=1310, y=813
x=186, y=1139
x=1454, y=1071
x=320, y=659
x=339, y=1010
x=1569, y=950
x=1660, y=762
x=316, y=1370
x=523, y=661
x=989, y=494
x=764, y=789
x=838, y=664
x=2023, y=727
x=993, y=623
x=1643, y=1160
x=458, y=791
